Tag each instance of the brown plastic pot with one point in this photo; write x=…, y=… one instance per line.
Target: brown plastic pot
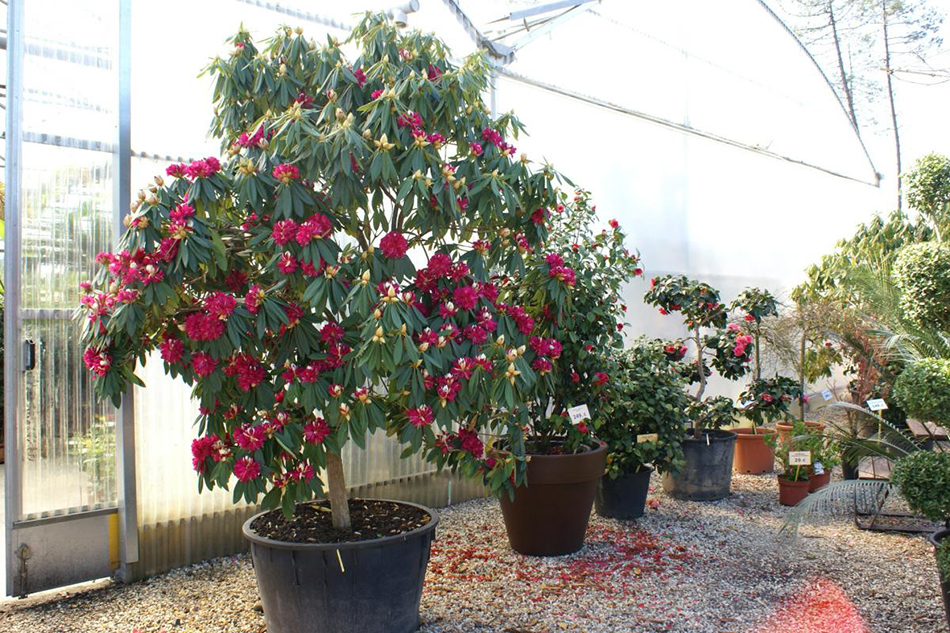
x=791, y=492
x=816, y=482
x=785, y=430
x=753, y=456
x=549, y=516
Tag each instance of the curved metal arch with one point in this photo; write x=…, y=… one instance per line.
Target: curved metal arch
x=831, y=86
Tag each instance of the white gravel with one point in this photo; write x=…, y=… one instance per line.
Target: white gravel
x=685, y=566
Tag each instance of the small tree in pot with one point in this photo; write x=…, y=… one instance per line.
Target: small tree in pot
x=278, y=283
x=549, y=516
x=707, y=473
x=642, y=423
x=767, y=400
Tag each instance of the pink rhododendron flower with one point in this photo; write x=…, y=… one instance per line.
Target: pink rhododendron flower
x=476, y=334
x=220, y=305
x=376, y=94
x=97, y=361
x=203, y=168
x=286, y=173
x=248, y=370
x=420, y=417
x=470, y=442
x=287, y=264
x=176, y=170
x=250, y=438
x=360, y=77
x=201, y=326
x=542, y=365
x=465, y=297
x=539, y=216
x=253, y=299
x=317, y=227
x=476, y=148
x=563, y=274
x=246, y=469
x=394, y=245
x=172, y=350
x=203, y=364
x=410, y=119
x=201, y=449
x=284, y=231
x=315, y=432
x=235, y=280
x=433, y=72
x=331, y=333
x=554, y=260
x=439, y=265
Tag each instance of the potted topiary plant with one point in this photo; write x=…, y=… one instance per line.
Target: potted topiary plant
x=582, y=329
x=793, y=481
x=642, y=420
x=707, y=471
x=278, y=283
x=923, y=478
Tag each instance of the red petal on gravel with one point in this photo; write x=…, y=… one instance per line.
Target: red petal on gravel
x=821, y=608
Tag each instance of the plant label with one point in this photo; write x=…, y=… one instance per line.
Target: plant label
x=579, y=413
x=799, y=458
x=827, y=395
x=817, y=468
x=648, y=437
x=877, y=404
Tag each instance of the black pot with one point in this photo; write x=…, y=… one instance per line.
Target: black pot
x=707, y=473
x=549, y=516
x=935, y=539
x=360, y=587
x=624, y=497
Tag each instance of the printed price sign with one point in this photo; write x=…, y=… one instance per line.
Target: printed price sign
x=827, y=395
x=648, y=437
x=877, y=404
x=799, y=458
x=579, y=413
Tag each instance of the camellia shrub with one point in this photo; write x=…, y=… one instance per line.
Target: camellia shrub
x=923, y=477
x=588, y=330
x=923, y=390
x=922, y=272
x=768, y=399
x=332, y=274
x=645, y=396
x=716, y=342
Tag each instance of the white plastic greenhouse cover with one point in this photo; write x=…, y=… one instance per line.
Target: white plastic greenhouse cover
x=705, y=120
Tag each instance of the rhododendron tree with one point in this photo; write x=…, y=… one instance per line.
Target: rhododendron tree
x=331, y=275
x=717, y=343
x=583, y=271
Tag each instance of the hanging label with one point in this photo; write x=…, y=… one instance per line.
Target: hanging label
x=827, y=395
x=799, y=458
x=877, y=404
x=648, y=437
x=817, y=468
x=579, y=413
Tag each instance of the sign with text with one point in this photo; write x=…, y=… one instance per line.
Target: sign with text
x=647, y=437
x=799, y=458
x=827, y=395
x=877, y=404
x=579, y=413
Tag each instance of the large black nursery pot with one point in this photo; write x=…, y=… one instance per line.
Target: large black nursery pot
x=549, y=516
x=935, y=539
x=707, y=473
x=624, y=497
x=371, y=586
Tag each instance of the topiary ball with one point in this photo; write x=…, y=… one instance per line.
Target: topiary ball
x=923, y=478
x=922, y=273
x=923, y=390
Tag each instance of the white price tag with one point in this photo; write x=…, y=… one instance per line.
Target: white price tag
x=817, y=468
x=799, y=458
x=579, y=413
x=648, y=437
x=877, y=404
x=827, y=395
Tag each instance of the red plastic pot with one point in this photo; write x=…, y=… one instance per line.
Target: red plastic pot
x=753, y=456
x=791, y=492
x=816, y=482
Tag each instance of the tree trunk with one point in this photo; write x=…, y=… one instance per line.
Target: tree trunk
x=336, y=491
x=890, y=96
x=845, y=84
x=697, y=430
x=801, y=380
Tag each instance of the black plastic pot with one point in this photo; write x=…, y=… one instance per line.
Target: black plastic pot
x=624, y=497
x=360, y=587
x=549, y=516
x=707, y=473
x=935, y=539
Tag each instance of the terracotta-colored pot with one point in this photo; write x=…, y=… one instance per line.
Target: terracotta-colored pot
x=753, y=456
x=785, y=430
x=817, y=482
x=791, y=492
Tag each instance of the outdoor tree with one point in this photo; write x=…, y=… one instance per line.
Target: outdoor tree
x=332, y=276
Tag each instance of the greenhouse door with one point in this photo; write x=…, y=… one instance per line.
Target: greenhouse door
x=65, y=502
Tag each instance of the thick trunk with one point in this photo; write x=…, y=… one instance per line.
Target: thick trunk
x=890, y=96
x=336, y=491
x=842, y=73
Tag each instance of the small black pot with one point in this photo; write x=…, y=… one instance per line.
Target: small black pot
x=624, y=497
x=935, y=539
x=360, y=587
x=707, y=473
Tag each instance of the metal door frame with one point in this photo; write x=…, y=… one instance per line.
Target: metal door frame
x=78, y=546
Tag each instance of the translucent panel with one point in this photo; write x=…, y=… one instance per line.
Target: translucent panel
x=67, y=438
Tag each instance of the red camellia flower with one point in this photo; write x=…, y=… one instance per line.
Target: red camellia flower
x=614, y=224
x=749, y=317
x=394, y=245
x=600, y=378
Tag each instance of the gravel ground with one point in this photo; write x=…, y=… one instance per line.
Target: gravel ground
x=685, y=566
